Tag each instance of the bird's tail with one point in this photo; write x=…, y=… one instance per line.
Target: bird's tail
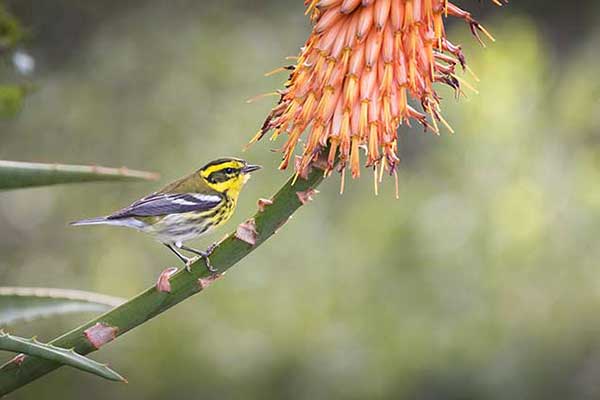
x=91, y=221
x=128, y=222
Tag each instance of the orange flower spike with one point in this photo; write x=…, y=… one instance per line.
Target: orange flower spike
x=428, y=11
x=397, y=15
x=345, y=137
x=388, y=44
x=307, y=109
x=357, y=61
x=323, y=4
x=356, y=140
x=401, y=70
x=313, y=142
x=373, y=148
x=316, y=70
x=375, y=133
x=363, y=119
x=365, y=20
x=340, y=42
x=431, y=63
x=367, y=83
x=326, y=105
x=351, y=33
x=412, y=62
x=279, y=128
x=350, y=90
x=381, y=12
x=373, y=48
x=438, y=28
x=425, y=59
x=418, y=11
x=386, y=114
x=302, y=85
x=289, y=147
x=408, y=15
x=329, y=38
x=293, y=109
x=387, y=76
x=331, y=64
x=323, y=140
x=374, y=107
x=328, y=19
x=332, y=152
x=345, y=58
x=395, y=107
x=355, y=120
x=336, y=79
x=410, y=41
x=402, y=103
x=362, y=64
x=336, y=121
x=349, y=5
x=355, y=158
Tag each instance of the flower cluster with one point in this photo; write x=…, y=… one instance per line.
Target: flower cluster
x=364, y=64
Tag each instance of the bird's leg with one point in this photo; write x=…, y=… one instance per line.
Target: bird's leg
x=187, y=261
x=203, y=254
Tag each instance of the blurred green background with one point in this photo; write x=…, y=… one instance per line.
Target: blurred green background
x=481, y=282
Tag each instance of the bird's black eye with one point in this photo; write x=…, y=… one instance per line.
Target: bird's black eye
x=229, y=170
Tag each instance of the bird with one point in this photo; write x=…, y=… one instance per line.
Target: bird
x=187, y=208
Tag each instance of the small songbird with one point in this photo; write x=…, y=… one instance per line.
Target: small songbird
x=187, y=208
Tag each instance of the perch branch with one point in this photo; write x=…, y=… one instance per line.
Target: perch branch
x=175, y=288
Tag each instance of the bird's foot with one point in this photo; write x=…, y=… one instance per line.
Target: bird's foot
x=201, y=254
x=206, y=256
x=190, y=261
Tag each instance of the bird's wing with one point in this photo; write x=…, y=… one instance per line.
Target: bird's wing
x=163, y=204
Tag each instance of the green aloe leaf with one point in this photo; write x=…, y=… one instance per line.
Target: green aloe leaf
x=46, y=351
x=19, y=304
x=16, y=174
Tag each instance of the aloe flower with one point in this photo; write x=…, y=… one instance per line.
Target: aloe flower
x=368, y=67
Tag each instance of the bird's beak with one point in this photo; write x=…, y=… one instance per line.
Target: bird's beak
x=250, y=168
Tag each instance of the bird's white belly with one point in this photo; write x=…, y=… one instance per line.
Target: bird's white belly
x=177, y=228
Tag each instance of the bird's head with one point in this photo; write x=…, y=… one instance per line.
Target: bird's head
x=227, y=175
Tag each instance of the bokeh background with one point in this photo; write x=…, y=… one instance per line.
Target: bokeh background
x=481, y=282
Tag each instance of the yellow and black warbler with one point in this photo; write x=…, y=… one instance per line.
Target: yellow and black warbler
x=187, y=208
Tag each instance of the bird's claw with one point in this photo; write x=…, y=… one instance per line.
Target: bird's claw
x=200, y=254
x=209, y=267
x=210, y=249
x=205, y=256
x=190, y=261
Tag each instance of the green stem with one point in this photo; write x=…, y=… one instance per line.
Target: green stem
x=184, y=284
x=18, y=174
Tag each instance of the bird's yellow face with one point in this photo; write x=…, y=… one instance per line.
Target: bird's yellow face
x=227, y=175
